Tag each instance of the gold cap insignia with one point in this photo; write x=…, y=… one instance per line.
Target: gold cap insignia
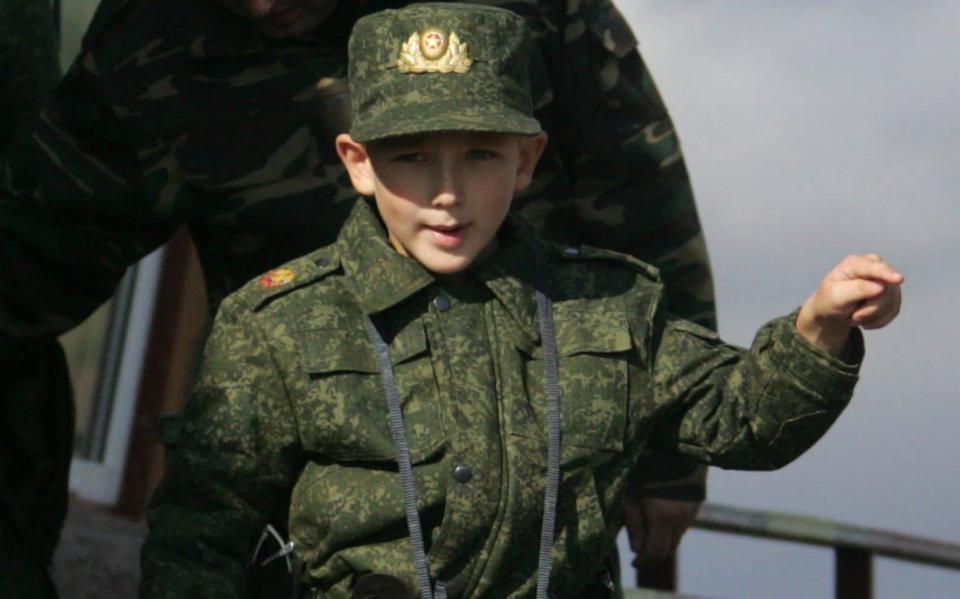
x=434, y=51
x=276, y=278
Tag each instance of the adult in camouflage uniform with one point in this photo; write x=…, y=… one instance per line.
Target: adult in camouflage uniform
x=289, y=419
x=181, y=112
x=36, y=408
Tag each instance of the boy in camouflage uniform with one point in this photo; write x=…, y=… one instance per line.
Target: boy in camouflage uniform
x=436, y=308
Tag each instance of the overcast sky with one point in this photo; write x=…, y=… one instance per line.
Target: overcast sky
x=813, y=130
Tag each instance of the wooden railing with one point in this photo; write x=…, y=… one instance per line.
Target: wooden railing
x=854, y=546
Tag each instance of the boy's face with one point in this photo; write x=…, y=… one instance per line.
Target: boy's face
x=442, y=196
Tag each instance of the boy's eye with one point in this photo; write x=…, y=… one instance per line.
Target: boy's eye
x=480, y=154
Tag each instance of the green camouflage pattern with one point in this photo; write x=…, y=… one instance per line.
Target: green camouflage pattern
x=492, y=95
x=289, y=425
x=29, y=69
x=178, y=112
x=36, y=409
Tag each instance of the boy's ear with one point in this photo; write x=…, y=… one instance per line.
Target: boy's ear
x=357, y=161
x=530, y=150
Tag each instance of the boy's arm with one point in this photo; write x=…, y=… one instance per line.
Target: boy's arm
x=755, y=409
x=230, y=475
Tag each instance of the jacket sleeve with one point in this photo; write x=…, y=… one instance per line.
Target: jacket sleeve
x=631, y=189
x=74, y=212
x=230, y=475
x=755, y=409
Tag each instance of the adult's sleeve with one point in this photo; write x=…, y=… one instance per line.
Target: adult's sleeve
x=230, y=473
x=631, y=187
x=74, y=211
x=755, y=409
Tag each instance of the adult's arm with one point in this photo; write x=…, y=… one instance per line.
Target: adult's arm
x=75, y=210
x=631, y=189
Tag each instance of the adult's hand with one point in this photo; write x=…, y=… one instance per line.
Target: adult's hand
x=655, y=526
x=283, y=18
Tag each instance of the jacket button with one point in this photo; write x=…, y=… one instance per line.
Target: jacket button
x=442, y=303
x=462, y=474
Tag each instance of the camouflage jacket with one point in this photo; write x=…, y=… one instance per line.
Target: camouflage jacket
x=28, y=61
x=289, y=424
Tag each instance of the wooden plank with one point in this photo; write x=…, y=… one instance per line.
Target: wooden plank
x=815, y=531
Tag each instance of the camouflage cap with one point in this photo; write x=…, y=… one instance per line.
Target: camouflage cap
x=439, y=67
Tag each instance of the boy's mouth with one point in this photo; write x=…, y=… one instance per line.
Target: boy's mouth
x=447, y=235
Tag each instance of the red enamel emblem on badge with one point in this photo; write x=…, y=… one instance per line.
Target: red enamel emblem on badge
x=276, y=278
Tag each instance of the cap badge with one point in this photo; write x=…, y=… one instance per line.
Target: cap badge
x=434, y=51
x=276, y=278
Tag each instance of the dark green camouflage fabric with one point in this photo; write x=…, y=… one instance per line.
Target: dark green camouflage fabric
x=36, y=409
x=289, y=422
x=178, y=112
x=435, y=67
x=29, y=70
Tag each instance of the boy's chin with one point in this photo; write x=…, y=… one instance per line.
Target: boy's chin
x=448, y=265
x=442, y=263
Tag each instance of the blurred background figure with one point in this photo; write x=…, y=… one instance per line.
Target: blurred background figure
x=36, y=407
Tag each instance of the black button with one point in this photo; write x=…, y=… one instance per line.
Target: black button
x=463, y=474
x=441, y=303
x=321, y=262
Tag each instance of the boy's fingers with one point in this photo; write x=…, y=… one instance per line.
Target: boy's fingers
x=848, y=293
x=867, y=268
x=864, y=314
x=879, y=311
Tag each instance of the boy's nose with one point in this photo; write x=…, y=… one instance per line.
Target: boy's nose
x=445, y=199
x=449, y=191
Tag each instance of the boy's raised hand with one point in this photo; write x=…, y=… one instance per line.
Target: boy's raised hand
x=860, y=291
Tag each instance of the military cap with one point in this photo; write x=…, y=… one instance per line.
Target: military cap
x=439, y=67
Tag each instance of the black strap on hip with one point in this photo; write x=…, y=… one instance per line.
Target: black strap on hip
x=551, y=375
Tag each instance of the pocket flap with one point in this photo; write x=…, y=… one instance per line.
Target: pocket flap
x=336, y=350
x=347, y=350
x=584, y=328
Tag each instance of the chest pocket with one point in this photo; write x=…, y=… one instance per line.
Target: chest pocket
x=594, y=348
x=343, y=415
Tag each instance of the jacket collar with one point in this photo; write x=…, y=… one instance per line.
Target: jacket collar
x=379, y=277
x=510, y=274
